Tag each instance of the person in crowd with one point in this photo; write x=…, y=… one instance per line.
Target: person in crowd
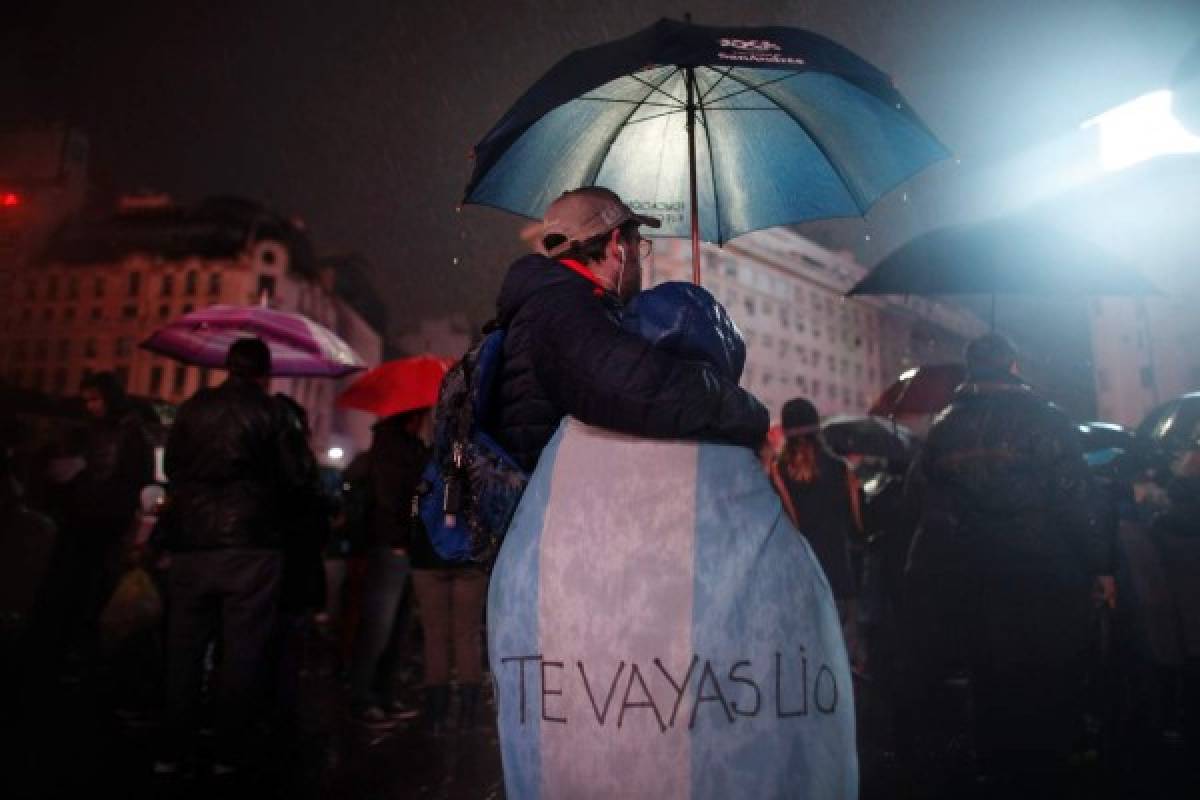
x=565, y=352
x=302, y=585
x=100, y=508
x=657, y=627
x=398, y=454
x=821, y=495
x=1000, y=571
x=450, y=596
x=233, y=470
x=1176, y=533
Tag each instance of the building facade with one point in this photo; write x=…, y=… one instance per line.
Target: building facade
x=103, y=288
x=803, y=336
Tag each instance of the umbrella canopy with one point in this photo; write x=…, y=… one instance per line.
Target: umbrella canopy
x=299, y=346
x=1173, y=426
x=921, y=390
x=1002, y=256
x=719, y=131
x=867, y=436
x=394, y=387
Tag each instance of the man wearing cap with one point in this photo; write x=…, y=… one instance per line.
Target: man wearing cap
x=1002, y=564
x=565, y=352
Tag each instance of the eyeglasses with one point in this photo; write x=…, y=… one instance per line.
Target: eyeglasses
x=645, y=247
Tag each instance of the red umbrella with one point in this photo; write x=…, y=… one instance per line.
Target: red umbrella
x=397, y=386
x=920, y=390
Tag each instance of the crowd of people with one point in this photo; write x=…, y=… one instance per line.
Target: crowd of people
x=1001, y=606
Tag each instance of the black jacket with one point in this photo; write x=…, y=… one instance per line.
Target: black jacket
x=396, y=460
x=1002, y=473
x=233, y=470
x=120, y=462
x=565, y=353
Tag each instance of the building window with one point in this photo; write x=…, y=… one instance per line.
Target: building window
x=73, y=287
x=41, y=350
x=89, y=348
x=750, y=306
x=167, y=286
x=164, y=312
x=123, y=347
x=98, y=287
x=69, y=314
x=97, y=314
x=266, y=286
x=52, y=287
x=64, y=349
x=816, y=388
x=48, y=315
x=188, y=308
x=189, y=283
x=129, y=312
x=19, y=350
x=180, y=379
x=214, y=283
x=156, y=379
x=135, y=284
x=30, y=291
x=122, y=373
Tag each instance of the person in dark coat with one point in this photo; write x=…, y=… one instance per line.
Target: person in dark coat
x=1000, y=571
x=101, y=503
x=820, y=495
x=394, y=463
x=1176, y=533
x=565, y=352
x=233, y=471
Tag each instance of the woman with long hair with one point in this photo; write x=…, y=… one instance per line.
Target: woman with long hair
x=821, y=496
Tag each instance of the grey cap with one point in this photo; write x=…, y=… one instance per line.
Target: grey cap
x=581, y=214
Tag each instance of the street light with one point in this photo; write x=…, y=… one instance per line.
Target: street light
x=1139, y=130
x=336, y=454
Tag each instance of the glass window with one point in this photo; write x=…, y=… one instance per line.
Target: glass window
x=41, y=349
x=69, y=314
x=52, y=287
x=73, y=287
x=98, y=286
x=64, y=349
x=189, y=283
x=167, y=286
x=214, y=283
x=180, y=379
x=135, y=284
x=129, y=312
x=123, y=347
x=156, y=379
x=97, y=314
x=164, y=311
x=89, y=348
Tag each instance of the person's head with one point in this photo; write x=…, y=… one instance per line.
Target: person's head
x=801, y=424
x=990, y=355
x=250, y=359
x=687, y=321
x=103, y=395
x=592, y=225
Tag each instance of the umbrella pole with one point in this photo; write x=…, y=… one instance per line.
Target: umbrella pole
x=689, y=80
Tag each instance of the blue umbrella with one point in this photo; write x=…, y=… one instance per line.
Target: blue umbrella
x=719, y=131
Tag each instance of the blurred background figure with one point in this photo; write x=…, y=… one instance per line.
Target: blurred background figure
x=399, y=451
x=821, y=495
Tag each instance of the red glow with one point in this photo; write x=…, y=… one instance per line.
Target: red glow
x=10, y=199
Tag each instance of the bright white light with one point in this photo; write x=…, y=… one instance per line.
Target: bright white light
x=1139, y=130
x=336, y=454
x=908, y=373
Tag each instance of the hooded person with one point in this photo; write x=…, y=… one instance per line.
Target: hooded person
x=657, y=627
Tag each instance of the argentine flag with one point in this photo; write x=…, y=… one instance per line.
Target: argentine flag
x=658, y=629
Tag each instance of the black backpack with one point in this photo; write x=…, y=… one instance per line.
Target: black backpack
x=471, y=486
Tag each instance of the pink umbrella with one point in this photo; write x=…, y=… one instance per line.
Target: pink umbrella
x=299, y=346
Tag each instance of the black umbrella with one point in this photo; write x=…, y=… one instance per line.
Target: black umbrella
x=867, y=436
x=1002, y=256
x=1173, y=426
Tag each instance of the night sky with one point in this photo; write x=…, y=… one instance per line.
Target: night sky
x=358, y=116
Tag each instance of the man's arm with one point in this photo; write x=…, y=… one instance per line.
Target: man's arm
x=609, y=377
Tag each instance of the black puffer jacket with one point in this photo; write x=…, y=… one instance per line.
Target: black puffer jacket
x=1007, y=544
x=565, y=353
x=1003, y=474
x=232, y=470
